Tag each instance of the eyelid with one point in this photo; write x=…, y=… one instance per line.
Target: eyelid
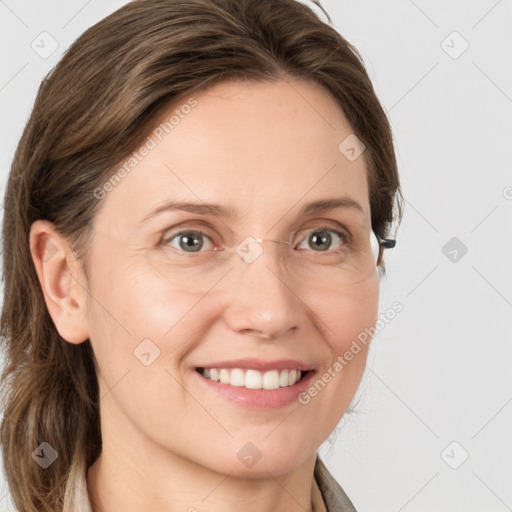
x=323, y=225
x=210, y=225
x=187, y=227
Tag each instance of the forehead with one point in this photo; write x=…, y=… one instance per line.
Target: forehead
x=266, y=148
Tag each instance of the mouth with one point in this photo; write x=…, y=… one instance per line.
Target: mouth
x=249, y=378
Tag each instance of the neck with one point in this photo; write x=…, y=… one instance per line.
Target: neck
x=147, y=478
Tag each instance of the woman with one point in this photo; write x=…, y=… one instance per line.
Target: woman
x=193, y=236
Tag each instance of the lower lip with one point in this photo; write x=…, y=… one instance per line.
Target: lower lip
x=259, y=398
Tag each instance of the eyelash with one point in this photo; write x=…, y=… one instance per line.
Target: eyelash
x=344, y=236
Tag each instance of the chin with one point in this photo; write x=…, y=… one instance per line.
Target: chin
x=259, y=459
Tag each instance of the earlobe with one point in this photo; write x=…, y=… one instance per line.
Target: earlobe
x=61, y=281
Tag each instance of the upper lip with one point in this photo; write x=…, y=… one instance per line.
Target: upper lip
x=260, y=364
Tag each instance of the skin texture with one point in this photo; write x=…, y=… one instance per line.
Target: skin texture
x=168, y=440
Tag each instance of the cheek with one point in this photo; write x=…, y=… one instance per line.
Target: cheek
x=140, y=333
x=342, y=316
x=345, y=314
x=135, y=311
x=349, y=315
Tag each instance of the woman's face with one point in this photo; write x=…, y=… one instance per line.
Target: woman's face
x=164, y=305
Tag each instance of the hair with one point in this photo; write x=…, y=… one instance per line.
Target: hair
x=91, y=111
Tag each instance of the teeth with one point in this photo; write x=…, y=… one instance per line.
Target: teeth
x=237, y=377
x=224, y=376
x=271, y=380
x=253, y=379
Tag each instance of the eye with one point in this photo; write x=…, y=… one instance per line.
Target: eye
x=321, y=239
x=188, y=241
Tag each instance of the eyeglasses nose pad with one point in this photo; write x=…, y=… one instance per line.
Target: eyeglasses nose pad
x=375, y=246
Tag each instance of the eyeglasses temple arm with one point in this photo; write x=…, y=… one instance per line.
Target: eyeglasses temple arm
x=386, y=243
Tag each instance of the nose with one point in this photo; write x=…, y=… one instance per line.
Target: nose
x=263, y=301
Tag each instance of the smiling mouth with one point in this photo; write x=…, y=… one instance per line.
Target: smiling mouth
x=253, y=379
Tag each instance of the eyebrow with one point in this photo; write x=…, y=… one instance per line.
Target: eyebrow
x=226, y=212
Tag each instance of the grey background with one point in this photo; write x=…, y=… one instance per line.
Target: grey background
x=440, y=371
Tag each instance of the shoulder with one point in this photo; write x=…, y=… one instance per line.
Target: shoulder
x=76, y=495
x=335, y=498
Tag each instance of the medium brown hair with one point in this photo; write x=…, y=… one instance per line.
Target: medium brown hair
x=91, y=111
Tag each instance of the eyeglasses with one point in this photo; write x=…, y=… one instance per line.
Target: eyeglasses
x=376, y=243
x=383, y=243
x=198, y=270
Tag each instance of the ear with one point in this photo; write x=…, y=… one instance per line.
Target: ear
x=61, y=280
